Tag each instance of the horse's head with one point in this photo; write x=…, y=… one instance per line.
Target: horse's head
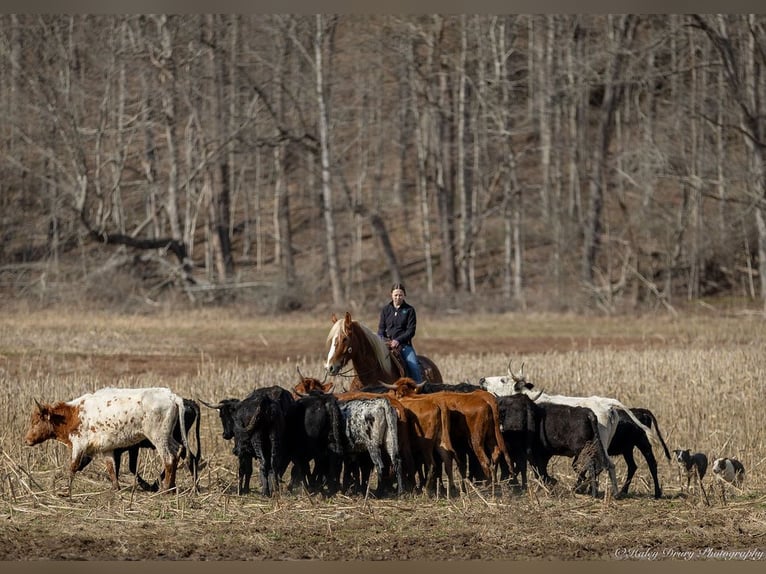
x=341, y=345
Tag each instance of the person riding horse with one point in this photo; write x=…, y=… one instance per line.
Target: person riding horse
x=397, y=326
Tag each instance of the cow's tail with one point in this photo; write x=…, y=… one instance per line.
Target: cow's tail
x=392, y=424
x=180, y=408
x=195, y=458
x=498, y=434
x=659, y=435
x=651, y=432
x=445, y=442
x=336, y=426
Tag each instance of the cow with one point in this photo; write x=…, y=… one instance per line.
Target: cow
x=519, y=419
x=539, y=431
x=257, y=424
x=473, y=422
x=464, y=452
x=606, y=410
x=98, y=423
x=191, y=421
x=428, y=425
x=315, y=432
x=370, y=426
x=627, y=437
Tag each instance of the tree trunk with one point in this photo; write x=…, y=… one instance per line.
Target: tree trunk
x=333, y=267
x=612, y=95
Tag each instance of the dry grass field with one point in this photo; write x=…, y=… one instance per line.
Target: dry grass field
x=702, y=376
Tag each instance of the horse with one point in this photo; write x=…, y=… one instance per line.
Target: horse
x=351, y=340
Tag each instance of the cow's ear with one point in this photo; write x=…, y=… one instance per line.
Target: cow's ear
x=333, y=318
x=348, y=320
x=327, y=387
x=530, y=386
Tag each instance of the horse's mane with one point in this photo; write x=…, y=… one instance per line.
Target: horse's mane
x=379, y=348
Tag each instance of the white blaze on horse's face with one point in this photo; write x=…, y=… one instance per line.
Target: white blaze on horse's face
x=333, y=364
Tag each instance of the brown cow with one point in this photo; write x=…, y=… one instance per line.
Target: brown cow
x=474, y=421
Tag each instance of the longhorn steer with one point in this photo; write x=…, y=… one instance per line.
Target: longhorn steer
x=99, y=423
x=191, y=421
x=606, y=410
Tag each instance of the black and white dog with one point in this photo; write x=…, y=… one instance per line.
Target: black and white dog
x=691, y=464
x=730, y=470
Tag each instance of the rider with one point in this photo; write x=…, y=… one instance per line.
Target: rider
x=397, y=327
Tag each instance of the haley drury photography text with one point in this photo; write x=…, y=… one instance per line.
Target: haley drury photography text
x=627, y=553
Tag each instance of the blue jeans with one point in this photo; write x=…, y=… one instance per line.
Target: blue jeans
x=411, y=363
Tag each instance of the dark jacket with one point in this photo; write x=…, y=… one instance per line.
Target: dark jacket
x=397, y=324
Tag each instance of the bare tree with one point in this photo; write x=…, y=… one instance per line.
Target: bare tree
x=625, y=27
x=743, y=61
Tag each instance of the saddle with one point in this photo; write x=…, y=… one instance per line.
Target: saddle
x=398, y=362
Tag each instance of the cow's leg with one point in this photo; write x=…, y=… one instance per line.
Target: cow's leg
x=111, y=469
x=169, y=457
x=651, y=462
x=76, y=463
x=447, y=457
x=632, y=466
x=477, y=445
x=133, y=467
x=244, y=472
x=604, y=440
x=376, y=456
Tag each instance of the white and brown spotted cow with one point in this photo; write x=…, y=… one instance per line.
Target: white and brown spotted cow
x=98, y=423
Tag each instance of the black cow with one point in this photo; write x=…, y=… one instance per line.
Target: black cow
x=519, y=422
x=464, y=387
x=257, y=424
x=191, y=419
x=629, y=436
x=540, y=431
x=315, y=432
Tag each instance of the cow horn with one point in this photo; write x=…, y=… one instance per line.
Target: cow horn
x=388, y=385
x=326, y=372
x=516, y=378
x=297, y=368
x=39, y=406
x=216, y=407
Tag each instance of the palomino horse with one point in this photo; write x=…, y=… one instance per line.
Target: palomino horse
x=352, y=341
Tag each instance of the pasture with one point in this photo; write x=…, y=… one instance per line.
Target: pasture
x=702, y=376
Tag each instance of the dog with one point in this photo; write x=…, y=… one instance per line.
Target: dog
x=729, y=470
x=691, y=465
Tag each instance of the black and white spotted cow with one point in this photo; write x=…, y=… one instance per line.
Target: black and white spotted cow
x=370, y=428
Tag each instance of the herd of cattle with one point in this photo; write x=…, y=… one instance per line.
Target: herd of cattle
x=410, y=434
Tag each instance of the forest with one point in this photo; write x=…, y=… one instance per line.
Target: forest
x=549, y=162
